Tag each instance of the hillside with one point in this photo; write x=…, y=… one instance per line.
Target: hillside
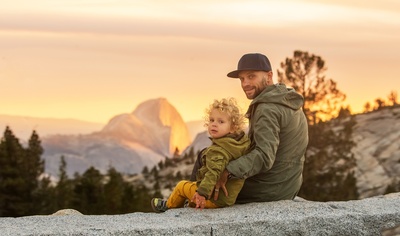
x=377, y=154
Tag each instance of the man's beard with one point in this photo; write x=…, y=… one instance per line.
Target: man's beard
x=257, y=92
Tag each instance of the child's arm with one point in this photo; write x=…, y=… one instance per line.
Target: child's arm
x=215, y=164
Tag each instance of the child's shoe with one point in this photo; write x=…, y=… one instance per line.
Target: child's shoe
x=159, y=205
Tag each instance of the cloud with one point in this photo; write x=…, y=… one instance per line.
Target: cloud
x=388, y=6
x=123, y=50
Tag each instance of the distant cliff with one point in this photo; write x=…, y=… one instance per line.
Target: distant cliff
x=155, y=124
x=370, y=216
x=129, y=141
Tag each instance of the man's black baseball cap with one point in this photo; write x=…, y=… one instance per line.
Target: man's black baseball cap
x=251, y=61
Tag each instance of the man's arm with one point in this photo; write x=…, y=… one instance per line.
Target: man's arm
x=265, y=142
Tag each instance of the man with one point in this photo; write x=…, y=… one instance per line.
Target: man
x=278, y=132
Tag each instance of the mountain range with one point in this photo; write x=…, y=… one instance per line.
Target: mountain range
x=128, y=142
x=155, y=129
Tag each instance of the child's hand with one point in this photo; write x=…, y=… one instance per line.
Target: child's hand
x=199, y=200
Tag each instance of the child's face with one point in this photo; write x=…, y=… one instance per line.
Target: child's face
x=219, y=124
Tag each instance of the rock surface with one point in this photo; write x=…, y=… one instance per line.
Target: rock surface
x=378, y=150
x=369, y=216
x=65, y=212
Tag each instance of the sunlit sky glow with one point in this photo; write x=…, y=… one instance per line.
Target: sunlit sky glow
x=92, y=60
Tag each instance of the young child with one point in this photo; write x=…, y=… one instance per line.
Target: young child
x=225, y=125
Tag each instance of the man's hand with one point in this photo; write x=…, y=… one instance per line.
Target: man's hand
x=221, y=184
x=199, y=200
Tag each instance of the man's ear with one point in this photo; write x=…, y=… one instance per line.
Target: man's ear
x=270, y=74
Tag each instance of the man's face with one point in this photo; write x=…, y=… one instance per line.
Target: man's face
x=254, y=82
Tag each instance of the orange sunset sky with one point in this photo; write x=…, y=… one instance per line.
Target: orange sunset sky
x=93, y=59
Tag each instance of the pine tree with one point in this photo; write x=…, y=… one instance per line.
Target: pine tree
x=114, y=191
x=32, y=169
x=161, y=165
x=305, y=73
x=128, y=199
x=154, y=172
x=64, y=188
x=176, y=153
x=367, y=107
x=392, y=98
x=89, y=192
x=24, y=189
x=145, y=171
x=178, y=175
x=329, y=164
x=329, y=167
x=46, y=197
x=12, y=183
x=379, y=104
x=157, y=189
x=142, y=199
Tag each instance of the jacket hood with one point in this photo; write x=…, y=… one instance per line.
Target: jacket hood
x=234, y=144
x=280, y=94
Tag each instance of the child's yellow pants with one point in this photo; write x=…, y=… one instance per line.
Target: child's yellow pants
x=182, y=191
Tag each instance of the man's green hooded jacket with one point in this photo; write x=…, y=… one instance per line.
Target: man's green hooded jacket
x=278, y=132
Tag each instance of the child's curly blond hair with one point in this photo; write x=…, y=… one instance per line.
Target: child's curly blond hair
x=229, y=106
